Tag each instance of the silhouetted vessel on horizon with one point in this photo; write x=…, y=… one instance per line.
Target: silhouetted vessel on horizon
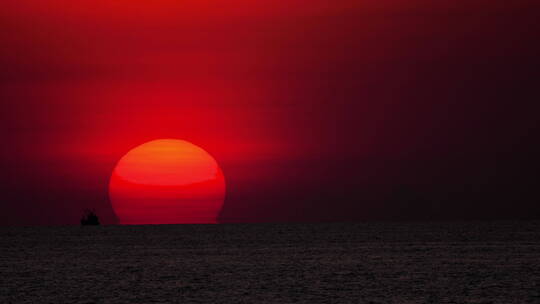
x=89, y=219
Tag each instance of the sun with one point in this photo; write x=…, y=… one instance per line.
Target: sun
x=167, y=181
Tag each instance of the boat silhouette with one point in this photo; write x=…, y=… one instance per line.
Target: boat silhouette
x=89, y=218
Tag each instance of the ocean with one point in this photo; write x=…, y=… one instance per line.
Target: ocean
x=453, y=262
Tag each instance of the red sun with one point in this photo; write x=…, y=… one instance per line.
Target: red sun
x=167, y=181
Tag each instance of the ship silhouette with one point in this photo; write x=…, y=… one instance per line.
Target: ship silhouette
x=89, y=218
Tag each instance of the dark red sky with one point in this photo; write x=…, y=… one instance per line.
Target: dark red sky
x=316, y=110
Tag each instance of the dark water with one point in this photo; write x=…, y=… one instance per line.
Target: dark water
x=495, y=262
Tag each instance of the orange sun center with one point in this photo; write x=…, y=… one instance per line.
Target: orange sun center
x=167, y=181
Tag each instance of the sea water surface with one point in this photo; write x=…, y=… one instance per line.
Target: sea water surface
x=473, y=262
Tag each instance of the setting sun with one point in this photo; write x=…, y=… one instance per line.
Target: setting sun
x=167, y=181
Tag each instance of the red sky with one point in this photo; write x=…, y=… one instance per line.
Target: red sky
x=315, y=110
